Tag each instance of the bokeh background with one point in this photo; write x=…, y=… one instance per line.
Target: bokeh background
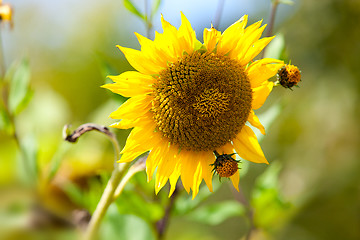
x=312, y=142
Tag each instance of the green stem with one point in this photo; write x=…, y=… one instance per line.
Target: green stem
x=2, y=59
x=105, y=201
x=218, y=13
x=135, y=168
x=274, y=6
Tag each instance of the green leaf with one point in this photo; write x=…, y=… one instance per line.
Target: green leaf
x=287, y=2
x=271, y=210
x=28, y=163
x=214, y=214
x=184, y=203
x=131, y=7
x=131, y=203
x=19, y=91
x=155, y=7
x=276, y=47
x=57, y=159
x=129, y=227
x=5, y=123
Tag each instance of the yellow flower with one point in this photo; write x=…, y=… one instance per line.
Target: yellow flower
x=189, y=99
x=5, y=12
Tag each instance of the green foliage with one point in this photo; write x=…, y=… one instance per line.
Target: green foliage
x=185, y=204
x=216, y=213
x=277, y=49
x=86, y=198
x=133, y=9
x=19, y=90
x=271, y=210
x=5, y=122
x=123, y=226
x=28, y=166
x=155, y=7
x=286, y=2
x=132, y=203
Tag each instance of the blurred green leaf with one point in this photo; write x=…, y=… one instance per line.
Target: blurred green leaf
x=185, y=204
x=5, y=123
x=29, y=163
x=19, y=92
x=129, y=227
x=131, y=203
x=57, y=159
x=287, y=2
x=131, y=7
x=155, y=7
x=216, y=213
x=271, y=210
x=87, y=198
x=276, y=48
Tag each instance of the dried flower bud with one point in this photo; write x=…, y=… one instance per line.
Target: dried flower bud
x=289, y=76
x=225, y=165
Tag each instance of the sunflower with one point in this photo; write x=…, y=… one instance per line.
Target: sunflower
x=190, y=100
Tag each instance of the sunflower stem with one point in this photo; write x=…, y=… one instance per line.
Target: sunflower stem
x=240, y=197
x=135, y=168
x=269, y=32
x=105, y=201
x=162, y=224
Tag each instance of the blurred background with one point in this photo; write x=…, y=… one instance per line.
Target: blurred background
x=310, y=190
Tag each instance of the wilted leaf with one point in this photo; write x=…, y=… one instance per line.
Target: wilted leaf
x=131, y=7
x=216, y=213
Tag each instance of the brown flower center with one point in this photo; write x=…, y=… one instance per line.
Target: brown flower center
x=202, y=101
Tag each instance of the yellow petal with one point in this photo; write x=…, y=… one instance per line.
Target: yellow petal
x=254, y=120
x=133, y=76
x=247, y=146
x=174, y=178
x=157, y=153
x=186, y=31
x=235, y=179
x=140, y=62
x=260, y=94
x=250, y=36
x=152, y=51
x=166, y=167
x=197, y=180
x=231, y=36
x=227, y=148
x=206, y=159
x=255, y=49
x=141, y=138
x=128, y=89
x=261, y=70
x=153, y=160
x=211, y=37
x=133, y=108
x=189, y=165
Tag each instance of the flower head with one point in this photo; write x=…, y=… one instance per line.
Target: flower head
x=6, y=12
x=189, y=99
